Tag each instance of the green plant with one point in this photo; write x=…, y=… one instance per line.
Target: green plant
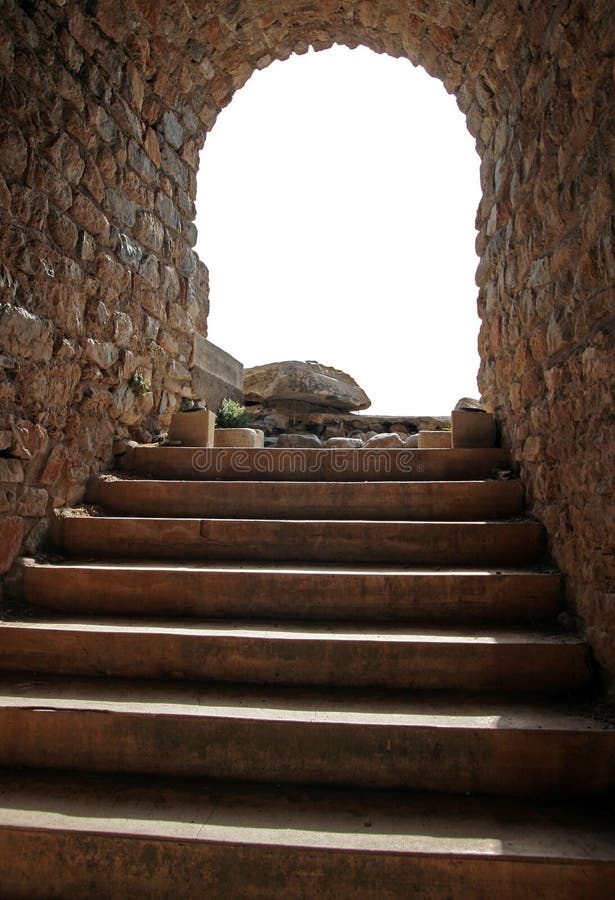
x=186, y=404
x=232, y=415
x=139, y=384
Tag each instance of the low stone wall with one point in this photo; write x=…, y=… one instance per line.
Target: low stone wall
x=216, y=374
x=299, y=418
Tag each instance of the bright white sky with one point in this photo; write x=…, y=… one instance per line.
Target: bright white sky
x=335, y=211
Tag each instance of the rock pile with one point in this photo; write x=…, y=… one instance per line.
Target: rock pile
x=309, y=404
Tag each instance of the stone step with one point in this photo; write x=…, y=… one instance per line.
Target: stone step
x=423, y=500
x=294, y=592
x=444, y=742
x=425, y=543
x=98, y=836
x=287, y=653
x=199, y=464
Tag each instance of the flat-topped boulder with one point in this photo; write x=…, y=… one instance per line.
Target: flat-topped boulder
x=303, y=382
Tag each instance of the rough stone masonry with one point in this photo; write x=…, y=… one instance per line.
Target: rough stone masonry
x=104, y=107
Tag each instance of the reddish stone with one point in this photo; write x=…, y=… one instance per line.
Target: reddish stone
x=55, y=463
x=86, y=214
x=63, y=231
x=92, y=180
x=65, y=156
x=152, y=147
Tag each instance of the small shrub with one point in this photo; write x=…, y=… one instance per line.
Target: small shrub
x=139, y=384
x=186, y=404
x=232, y=415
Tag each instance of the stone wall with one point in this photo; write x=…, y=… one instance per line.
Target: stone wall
x=104, y=107
x=101, y=295
x=547, y=277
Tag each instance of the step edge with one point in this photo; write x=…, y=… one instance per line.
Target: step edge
x=446, y=851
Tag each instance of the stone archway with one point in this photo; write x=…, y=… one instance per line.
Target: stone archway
x=105, y=107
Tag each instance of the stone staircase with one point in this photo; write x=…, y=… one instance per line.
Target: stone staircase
x=300, y=673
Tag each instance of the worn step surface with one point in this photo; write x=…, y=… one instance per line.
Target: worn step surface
x=455, y=743
x=427, y=543
x=281, y=690
x=268, y=653
x=306, y=592
x=423, y=500
x=189, y=463
x=109, y=837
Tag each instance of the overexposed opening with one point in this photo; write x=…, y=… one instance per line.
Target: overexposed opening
x=336, y=204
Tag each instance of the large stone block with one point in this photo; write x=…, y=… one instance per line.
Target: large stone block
x=215, y=373
x=434, y=440
x=193, y=429
x=473, y=428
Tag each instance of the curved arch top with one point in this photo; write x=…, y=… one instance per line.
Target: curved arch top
x=200, y=53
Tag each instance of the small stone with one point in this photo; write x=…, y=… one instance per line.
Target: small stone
x=129, y=252
x=55, y=463
x=134, y=86
x=103, y=353
x=13, y=153
x=344, y=443
x=384, y=441
x=65, y=156
x=167, y=212
x=25, y=335
x=112, y=272
x=149, y=231
x=172, y=130
x=299, y=440
x=122, y=328
x=7, y=500
x=168, y=342
x=142, y=164
x=92, y=180
x=152, y=147
x=64, y=231
x=86, y=214
x=122, y=210
x=148, y=270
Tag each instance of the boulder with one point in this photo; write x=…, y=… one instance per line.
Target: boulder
x=470, y=404
x=304, y=382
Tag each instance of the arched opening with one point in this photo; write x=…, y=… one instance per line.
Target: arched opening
x=336, y=205
x=99, y=281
